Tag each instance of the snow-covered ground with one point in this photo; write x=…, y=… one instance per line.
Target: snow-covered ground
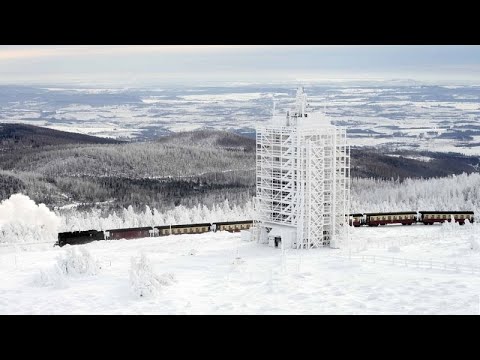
x=218, y=273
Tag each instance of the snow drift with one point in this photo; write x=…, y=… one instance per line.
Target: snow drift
x=21, y=220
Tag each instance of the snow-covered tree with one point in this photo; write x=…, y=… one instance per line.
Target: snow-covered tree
x=144, y=281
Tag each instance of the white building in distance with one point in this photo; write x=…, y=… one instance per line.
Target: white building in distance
x=302, y=179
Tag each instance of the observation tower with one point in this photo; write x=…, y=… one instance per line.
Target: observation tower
x=302, y=180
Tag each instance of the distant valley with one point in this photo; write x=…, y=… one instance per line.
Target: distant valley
x=386, y=116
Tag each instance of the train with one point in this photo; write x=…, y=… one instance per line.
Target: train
x=87, y=236
x=356, y=220
x=410, y=217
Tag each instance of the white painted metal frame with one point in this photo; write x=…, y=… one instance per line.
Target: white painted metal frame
x=303, y=180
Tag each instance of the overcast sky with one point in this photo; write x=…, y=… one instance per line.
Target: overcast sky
x=137, y=65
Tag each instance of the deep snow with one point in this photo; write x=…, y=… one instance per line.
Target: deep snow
x=217, y=273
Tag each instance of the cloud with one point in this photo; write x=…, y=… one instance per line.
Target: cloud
x=21, y=52
x=178, y=63
x=8, y=53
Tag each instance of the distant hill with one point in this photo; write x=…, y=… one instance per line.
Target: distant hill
x=22, y=136
x=367, y=162
x=189, y=168
x=211, y=139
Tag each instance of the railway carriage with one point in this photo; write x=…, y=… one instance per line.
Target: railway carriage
x=129, y=233
x=431, y=217
x=233, y=226
x=183, y=229
x=404, y=218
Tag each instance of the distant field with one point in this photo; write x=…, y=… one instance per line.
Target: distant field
x=414, y=117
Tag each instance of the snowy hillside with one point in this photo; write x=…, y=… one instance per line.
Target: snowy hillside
x=217, y=273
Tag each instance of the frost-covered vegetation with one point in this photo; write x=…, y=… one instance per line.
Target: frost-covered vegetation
x=73, y=263
x=204, y=167
x=144, y=282
x=455, y=192
x=72, y=220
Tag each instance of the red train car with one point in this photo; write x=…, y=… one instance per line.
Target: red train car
x=130, y=233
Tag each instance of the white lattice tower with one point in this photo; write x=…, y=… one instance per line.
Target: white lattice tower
x=342, y=179
x=303, y=178
x=315, y=193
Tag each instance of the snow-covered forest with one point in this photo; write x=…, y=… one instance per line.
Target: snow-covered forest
x=455, y=192
x=72, y=220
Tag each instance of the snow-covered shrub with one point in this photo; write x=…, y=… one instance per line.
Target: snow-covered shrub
x=78, y=262
x=53, y=277
x=72, y=264
x=144, y=281
x=474, y=244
